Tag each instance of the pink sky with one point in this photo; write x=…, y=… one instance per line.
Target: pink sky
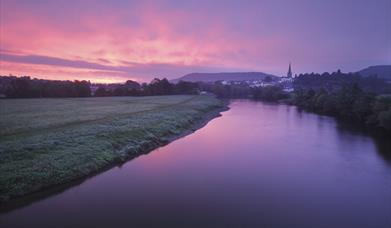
x=109, y=41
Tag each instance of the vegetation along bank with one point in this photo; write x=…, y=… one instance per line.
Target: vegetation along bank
x=47, y=142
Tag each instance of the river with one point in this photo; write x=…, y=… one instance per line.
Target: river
x=258, y=165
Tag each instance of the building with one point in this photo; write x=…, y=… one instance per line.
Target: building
x=288, y=77
x=289, y=74
x=286, y=82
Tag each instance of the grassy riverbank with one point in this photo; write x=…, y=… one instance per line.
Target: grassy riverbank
x=46, y=142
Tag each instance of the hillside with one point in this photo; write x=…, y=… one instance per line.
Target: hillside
x=231, y=76
x=382, y=71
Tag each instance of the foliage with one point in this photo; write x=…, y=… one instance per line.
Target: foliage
x=155, y=87
x=336, y=80
x=221, y=90
x=14, y=87
x=25, y=87
x=269, y=93
x=350, y=102
x=384, y=118
x=242, y=90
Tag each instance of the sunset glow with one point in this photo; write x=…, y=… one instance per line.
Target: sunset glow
x=112, y=41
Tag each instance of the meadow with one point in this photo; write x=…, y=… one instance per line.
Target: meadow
x=46, y=142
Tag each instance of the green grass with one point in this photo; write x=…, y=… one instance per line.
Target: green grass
x=45, y=142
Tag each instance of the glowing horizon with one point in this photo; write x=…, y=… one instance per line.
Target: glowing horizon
x=116, y=41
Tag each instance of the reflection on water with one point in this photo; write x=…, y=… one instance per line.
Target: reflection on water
x=380, y=138
x=258, y=165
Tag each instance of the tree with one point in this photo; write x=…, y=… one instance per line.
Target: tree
x=132, y=84
x=385, y=119
x=269, y=93
x=120, y=91
x=183, y=87
x=82, y=88
x=101, y=92
x=362, y=106
x=159, y=87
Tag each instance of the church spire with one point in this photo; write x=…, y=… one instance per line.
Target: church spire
x=289, y=75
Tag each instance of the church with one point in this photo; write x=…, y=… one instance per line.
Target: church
x=289, y=74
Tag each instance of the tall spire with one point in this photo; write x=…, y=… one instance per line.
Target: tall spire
x=289, y=75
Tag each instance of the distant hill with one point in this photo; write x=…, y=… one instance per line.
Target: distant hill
x=382, y=71
x=231, y=76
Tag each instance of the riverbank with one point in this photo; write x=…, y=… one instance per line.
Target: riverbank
x=48, y=142
x=258, y=157
x=349, y=104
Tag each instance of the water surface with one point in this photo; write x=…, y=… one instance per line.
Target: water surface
x=259, y=165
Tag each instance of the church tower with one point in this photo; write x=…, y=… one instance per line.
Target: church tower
x=289, y=74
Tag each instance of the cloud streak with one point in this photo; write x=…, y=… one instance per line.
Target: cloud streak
x=137, y=70
x=47, y=60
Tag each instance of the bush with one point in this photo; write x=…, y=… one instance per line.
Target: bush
x=384, y=119
x=269, y=93
x=350, y=102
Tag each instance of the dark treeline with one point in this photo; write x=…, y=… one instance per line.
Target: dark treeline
x=336, y=80
x=164, y=87
x=226, y=91
x=155, y=87
x=350, y=102
x=346, y=96
x=25, y=87
x=268, y=93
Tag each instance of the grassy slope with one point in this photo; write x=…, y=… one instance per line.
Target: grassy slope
x=45, y=142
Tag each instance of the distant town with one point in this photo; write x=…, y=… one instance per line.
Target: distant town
x=236, y=84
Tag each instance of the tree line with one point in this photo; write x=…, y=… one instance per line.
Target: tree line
x=336, y=80
x=242, y=90
x=155, y=87
x=350, y=102
x=25, y=87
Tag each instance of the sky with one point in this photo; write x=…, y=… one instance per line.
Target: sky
x=116, y=40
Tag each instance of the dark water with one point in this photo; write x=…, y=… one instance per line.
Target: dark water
x=259, y=165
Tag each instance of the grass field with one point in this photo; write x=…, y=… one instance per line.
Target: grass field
x=45, y=142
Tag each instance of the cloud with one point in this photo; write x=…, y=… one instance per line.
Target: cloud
x=47, y=60
x=130, y=69
x=169, y=38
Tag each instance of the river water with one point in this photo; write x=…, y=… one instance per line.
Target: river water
x=258, y=165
